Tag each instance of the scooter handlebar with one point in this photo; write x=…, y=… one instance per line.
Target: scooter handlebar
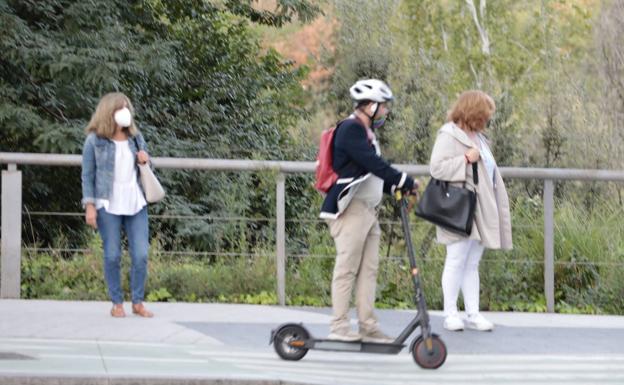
x=410, y=198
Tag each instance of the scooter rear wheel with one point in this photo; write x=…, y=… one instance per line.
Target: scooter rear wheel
x=429, y=359
x=283, y=342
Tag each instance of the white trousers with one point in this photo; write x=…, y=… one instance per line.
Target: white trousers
x=461, y=270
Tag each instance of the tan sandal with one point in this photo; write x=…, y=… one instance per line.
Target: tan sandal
x=141, y=311
x=118, y=311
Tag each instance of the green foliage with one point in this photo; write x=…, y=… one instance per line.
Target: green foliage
x=159, y=295
x=510, y=281
x=201, y=84
x=204, y=87
x=285, y=11
x=539, y=65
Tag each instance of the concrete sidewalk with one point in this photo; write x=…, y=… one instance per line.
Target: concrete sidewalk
x=61, y=342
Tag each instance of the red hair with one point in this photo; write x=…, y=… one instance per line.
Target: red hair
x=472, y=110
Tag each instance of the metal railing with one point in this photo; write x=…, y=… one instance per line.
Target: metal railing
x=12, y=204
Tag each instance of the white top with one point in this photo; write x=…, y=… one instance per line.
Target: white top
x=488, y=158
x=371, y=189
x=126, y=197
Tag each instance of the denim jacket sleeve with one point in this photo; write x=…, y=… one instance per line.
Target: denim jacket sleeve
x=88, y=171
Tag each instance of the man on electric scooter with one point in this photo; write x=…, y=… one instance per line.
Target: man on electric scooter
x=350, y=210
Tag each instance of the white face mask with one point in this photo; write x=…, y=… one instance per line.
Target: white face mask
x=123, y=117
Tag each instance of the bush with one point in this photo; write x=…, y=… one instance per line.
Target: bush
x=588, y=273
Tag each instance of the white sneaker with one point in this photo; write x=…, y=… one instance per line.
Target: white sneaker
x=478, y=322
x=453, y=323
x=346, y=336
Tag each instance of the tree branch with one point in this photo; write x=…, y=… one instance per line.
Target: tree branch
x=485, y=40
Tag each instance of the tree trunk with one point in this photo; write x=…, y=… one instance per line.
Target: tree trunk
x=485, y=40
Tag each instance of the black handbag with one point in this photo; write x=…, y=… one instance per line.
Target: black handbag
x=449, y=207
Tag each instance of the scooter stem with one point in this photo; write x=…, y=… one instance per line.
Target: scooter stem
x=419, y=299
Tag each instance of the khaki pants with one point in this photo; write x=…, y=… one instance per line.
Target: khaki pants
x=357, y=235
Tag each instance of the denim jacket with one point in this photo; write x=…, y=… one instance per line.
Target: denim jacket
x=98, y=166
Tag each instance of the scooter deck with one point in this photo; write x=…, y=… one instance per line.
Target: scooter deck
x=355, y=346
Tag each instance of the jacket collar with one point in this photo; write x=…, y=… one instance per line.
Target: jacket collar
x=100, y=141
x=457, y=133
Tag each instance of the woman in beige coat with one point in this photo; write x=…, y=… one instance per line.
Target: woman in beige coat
x=459, y=143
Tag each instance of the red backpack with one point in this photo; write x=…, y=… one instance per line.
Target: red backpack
x=325, y=174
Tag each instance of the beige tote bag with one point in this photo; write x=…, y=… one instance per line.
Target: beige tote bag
x=154, y=191
x=152, y=188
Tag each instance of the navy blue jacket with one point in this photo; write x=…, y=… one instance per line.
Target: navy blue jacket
x=354, y=157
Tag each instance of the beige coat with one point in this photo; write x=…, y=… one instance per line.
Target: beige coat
x=492, y=225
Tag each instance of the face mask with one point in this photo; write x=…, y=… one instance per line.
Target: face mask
x=123, y=117
x=378, y=122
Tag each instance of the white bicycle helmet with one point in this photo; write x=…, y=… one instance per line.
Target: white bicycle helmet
x=371, y=89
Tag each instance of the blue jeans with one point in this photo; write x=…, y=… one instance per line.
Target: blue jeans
x=137, y=231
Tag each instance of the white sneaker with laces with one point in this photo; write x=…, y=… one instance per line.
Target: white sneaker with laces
x=479, y=322
x=453, y=323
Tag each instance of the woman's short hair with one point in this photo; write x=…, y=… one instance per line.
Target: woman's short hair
x=103, y=122
x=472, y=110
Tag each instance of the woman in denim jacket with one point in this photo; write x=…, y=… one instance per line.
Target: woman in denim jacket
x=113, y=198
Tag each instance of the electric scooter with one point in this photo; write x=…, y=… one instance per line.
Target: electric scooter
x=292, y=340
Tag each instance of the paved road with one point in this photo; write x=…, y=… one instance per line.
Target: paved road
x=49, y=342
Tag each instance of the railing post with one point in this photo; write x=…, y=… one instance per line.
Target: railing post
x=11, y=226
x=549, y=245
x=280, y=238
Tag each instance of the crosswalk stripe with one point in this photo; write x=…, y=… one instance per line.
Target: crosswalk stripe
x=444, y=374
x=122, y=358
x=329, y=368
x=14, y=346
x=465, y=368
x=232, y=354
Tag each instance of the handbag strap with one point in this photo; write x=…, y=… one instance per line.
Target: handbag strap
x=136, y=143
x=475, y=174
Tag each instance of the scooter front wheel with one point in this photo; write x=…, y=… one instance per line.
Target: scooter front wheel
x=289, y=341
x=431, y=358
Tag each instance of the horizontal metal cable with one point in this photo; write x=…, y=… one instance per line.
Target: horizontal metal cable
x=182, y=253
x=226, y=219
x=160, y=216
x=327, y=256
x=58, y=249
